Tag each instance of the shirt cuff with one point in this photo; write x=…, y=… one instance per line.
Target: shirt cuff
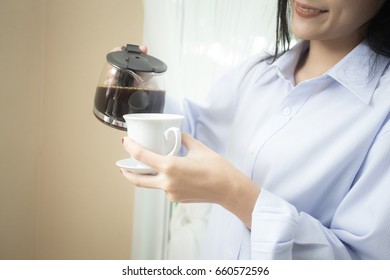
x=274, y=223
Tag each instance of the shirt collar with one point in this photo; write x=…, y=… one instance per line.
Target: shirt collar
x=359, y=71
x=287, y=63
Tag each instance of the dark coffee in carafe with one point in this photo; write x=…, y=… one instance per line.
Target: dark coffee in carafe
x=118, y=101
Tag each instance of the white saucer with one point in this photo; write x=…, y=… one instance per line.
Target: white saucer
x=135, y=166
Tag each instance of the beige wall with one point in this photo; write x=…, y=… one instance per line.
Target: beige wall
x=61, y=195
x=20, y=100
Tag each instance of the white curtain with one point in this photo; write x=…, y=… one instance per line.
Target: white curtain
x=199, y=40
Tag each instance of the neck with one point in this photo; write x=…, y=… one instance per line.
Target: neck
x=321, y=56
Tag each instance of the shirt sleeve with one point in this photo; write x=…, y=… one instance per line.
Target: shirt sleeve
x=359, y=228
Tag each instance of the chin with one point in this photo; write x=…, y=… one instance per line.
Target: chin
x=306, y=33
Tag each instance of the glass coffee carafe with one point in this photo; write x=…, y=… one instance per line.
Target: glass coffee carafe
x=131, y=82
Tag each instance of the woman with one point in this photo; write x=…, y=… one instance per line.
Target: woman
x=294, y=150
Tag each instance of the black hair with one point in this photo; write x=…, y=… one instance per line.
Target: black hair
x=378, y=29
x=283, y=32
x=378, y=32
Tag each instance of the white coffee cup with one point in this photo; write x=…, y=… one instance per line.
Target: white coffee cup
x=159, y=133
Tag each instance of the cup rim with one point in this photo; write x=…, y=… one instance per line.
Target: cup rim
x=153, y=116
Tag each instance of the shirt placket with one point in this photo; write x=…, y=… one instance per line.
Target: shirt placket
x=284, y=113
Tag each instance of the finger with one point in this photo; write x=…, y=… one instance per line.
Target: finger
x=143, y=155
x=143, y=49
x=143, y=181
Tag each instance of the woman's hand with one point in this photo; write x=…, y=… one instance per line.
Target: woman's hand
x=201, y=176
x=143, y=49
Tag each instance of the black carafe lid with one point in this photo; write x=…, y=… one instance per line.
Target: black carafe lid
x=131, y=58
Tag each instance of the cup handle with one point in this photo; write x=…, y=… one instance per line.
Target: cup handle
x=177, y=134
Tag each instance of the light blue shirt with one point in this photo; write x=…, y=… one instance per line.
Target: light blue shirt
x=319, y=151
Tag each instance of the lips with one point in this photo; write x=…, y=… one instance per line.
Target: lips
x=307, y=11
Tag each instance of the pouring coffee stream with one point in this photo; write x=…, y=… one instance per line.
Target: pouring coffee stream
x=131, y=82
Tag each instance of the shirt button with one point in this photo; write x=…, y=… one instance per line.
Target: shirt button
x=286, y=111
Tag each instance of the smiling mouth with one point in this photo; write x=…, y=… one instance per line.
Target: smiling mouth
x=308, y=11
